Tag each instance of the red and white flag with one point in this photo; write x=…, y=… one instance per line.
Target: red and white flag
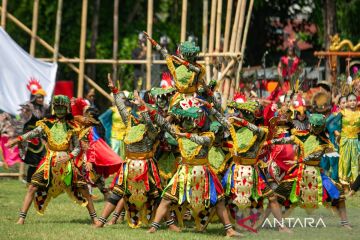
x=17, y=68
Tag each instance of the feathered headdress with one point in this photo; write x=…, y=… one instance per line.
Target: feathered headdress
x=35, y=88
x=166, y=80
x=239, y=98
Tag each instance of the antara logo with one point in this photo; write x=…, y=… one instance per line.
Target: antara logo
x=294, y=222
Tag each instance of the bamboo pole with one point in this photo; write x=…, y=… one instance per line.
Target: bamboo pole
x=218, y=26
x=51, y=49
x=3, y=14
x=80, y=91
x=223, y=74
x=227, y=25
x=235, y=26
x=116, y=38
x=183, y=20
x=225, y=92
x=11, y=175
x=240, y=26
x=58, y=29
x=34, y=27
x=149, y=47
x=244, y=42
x=205, y=25
x=212, y=26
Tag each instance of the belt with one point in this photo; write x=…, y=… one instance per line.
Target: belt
x=244, y=161
x=195, y=161
x=312, y=163
x=139, y=156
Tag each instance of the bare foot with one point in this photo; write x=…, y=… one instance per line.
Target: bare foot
x=174, y=228
x=285, y=230
x=112, y=221
x=347, y=226
x=351, y=193
x=98, y=224
x=21, y=221
x=152, y=230
x=231, y=233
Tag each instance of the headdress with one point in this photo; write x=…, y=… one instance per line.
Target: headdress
x=35, y=88
x=317, y=120
x=61, y=100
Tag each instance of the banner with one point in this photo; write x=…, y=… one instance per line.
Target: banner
x=17, y=68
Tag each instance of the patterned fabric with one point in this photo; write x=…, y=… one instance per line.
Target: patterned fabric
x=53, y=177
x=138, y=179
x=349, y=146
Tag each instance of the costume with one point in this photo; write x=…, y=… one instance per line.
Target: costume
x=104, y=161
x=241, y=181
x=311, y=187
x=138, y=180
x=349, y=146
x=194, y=184
x=9, y=156
x=115, y=130
x=53, y=177
x=32, y=151
x=167, y=153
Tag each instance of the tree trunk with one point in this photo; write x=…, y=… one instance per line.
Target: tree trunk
x=329, y=28
x=91, y=68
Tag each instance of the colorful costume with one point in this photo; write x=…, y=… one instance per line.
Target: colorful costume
x=311, y=187
x=33, y=150
x=10, y=156
x=138, y=180
x=194, y=184
x=349, y=146
x=115, y=130
x=53, y=177
x=241, y=181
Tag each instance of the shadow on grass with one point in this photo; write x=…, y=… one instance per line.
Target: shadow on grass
x=79, y=221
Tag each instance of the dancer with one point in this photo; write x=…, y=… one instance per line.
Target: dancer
x=138, y=180
x=32, y=151
x=312, y=187
x=349, y=142
x=54, y=174
x=194, y=183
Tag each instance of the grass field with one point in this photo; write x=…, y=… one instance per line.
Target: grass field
x=66, y=220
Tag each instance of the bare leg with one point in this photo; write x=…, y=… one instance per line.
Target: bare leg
x=276, y=211
x=170, y=222
x=90, y=206
x=118, y=210
x=162, y=210
x=27, y=203
x=343, y=214
x=224, y=218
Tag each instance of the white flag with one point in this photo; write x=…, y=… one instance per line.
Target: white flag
x=17, y=68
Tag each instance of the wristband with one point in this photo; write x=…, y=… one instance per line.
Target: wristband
x=71, y=156
x=188, y=135
x=20, y=138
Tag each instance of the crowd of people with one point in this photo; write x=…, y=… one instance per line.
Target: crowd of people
x=176, y=154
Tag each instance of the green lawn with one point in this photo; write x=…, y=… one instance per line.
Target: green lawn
x=65, y=220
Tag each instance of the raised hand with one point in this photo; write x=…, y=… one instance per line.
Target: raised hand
x=110, y=82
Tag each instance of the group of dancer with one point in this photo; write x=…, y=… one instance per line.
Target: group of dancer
x=177, y=152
